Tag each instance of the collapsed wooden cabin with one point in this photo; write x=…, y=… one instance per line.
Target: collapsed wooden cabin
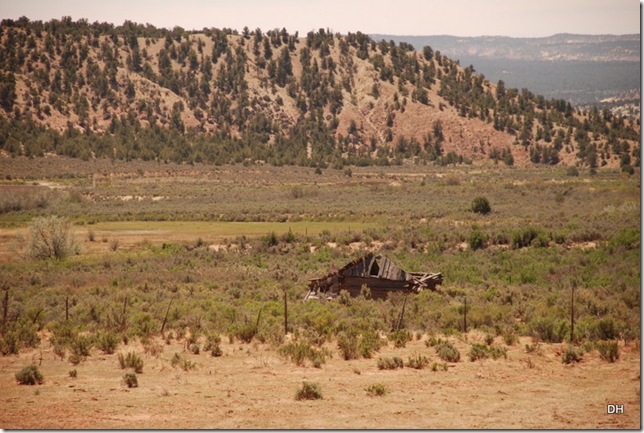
x=378, y=273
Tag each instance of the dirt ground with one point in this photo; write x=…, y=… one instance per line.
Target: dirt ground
x=251, y=386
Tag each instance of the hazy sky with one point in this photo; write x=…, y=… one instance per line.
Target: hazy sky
x=519, y=18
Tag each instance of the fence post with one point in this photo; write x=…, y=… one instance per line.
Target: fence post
x=465, y=314
x=285, y=314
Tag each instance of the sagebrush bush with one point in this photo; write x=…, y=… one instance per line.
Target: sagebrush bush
x=30, y=375
x=51, y=238
x=524, y=237
x=447, y=352
x=477, y=240
x=309, y=391
x=570, y=355
x=376, y=390
x=549, y=329
x=107, y=342
x=131, y=380
x=17, y=335
x=400, y=338
x=481, y=205
x=216, y=351
x=390, y=363
x=418, y=362
x=300, y=351
x=348, y=344
x=608, y=350
x=131, y=360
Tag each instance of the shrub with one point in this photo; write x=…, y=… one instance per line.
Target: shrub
x=478, y=351
x=216, y=351
x=131, y=360
x=107, y=342
x=51, y=237
x=390, y=363
x=418, y=362
x=369, y=343
x=246, y=333
x=131, y=380
x=300, y=351
x=436, y=366
x=80, y=347
x=497, y=352
x=73, y=373
x=400, y=338
x=606, y=329
x=376, y=390
x=608, y=350
x=194, y=348
x=489, y=339
x=19, y=334
x=525, y=236
x=572, y=171
x=533, y=348
x=447, y=352
x=348, y=344
x=570, y=355
x=510, y=338
x=483, y=351
x=30, y=375
x=481, y=205
x=477, y=240
x=548, y=329
x=309, y=391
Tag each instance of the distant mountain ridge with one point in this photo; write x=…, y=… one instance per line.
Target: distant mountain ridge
x=559, y=47
x=582, y=69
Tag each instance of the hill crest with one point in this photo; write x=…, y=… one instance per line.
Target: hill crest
x=134, y=91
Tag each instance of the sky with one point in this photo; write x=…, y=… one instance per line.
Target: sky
x=515, y=18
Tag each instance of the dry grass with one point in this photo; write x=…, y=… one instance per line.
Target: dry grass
x=235, y=391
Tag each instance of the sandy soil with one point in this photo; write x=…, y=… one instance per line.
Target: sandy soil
x=250, y=386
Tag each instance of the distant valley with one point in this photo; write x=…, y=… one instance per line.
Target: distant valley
x=582, y=69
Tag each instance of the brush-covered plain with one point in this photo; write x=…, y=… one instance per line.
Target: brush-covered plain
x=195, y=257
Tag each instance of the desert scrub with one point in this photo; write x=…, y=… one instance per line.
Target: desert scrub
x=81, y=347
x=510, y=338
x=130, y=380
x=481, y=205
x=570, y=355
x=477, y=239
x=185, y=364
x=418, y=362
x=19, y=334
x=51, y=238
x=447, y=352
x=354, y=346
x=308, y=391
x=549, y=329
x=376, y=390
x=482, y=351
x=400, y=338
x=131, y=360
x=608, y=350
x=436, y=366
x=107, y=342
x=301, y=351
x=30, y=375
x=390, y=363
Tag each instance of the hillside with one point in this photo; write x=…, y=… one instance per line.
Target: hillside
x=219, y=96
x=582, y=69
